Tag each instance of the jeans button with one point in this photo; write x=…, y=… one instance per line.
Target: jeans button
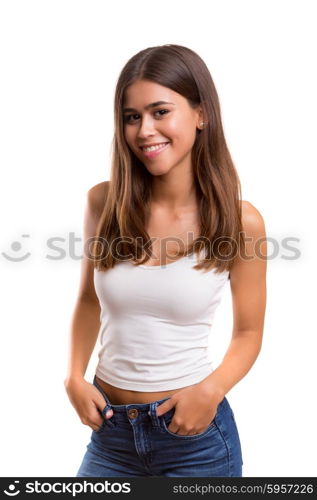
x=133, y=413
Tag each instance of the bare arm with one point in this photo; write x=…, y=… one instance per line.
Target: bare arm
x=85, y=321
x=83, y=335
x=248, y=288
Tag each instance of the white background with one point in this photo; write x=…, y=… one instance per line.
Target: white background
x=59, y=64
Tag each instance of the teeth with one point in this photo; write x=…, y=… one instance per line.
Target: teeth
x=154, y=148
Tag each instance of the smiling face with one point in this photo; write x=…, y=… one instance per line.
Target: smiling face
x=154, y=114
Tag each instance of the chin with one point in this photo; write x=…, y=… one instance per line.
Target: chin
x=158, y=171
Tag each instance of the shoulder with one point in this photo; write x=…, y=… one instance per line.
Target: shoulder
x=96, y=196
x=252, y=219
x=250, y=263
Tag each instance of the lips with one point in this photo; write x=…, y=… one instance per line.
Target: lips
x=154, y=144
x=156, y=152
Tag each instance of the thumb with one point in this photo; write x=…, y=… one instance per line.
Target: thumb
x=109, y=413
x=164, y=407
x=101, y=407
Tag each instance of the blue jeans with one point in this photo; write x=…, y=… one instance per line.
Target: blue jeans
x=136, y=442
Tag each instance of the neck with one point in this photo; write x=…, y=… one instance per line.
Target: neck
x=173, y=194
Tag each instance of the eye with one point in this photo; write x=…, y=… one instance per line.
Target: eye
x=127, y=118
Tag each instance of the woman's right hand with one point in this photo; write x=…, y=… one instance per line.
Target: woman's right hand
x=87, y=401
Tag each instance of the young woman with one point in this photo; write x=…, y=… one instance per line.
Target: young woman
x=162, y=238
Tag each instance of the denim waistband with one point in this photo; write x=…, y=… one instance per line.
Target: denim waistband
x=144, y=409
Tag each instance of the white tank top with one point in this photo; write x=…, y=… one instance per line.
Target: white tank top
x=155, y=324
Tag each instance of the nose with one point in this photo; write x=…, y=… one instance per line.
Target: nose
x=146, y=128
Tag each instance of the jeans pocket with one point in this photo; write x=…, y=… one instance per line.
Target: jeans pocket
x=101, y=428
x=167, y=418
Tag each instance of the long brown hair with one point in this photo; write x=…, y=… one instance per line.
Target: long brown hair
x=121, y=227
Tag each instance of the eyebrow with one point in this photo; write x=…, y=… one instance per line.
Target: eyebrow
x=152, y=105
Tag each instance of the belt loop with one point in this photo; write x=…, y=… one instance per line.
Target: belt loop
x=109, y=421
x=152, y=413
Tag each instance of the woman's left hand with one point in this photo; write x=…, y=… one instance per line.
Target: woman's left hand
x=195, y=408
